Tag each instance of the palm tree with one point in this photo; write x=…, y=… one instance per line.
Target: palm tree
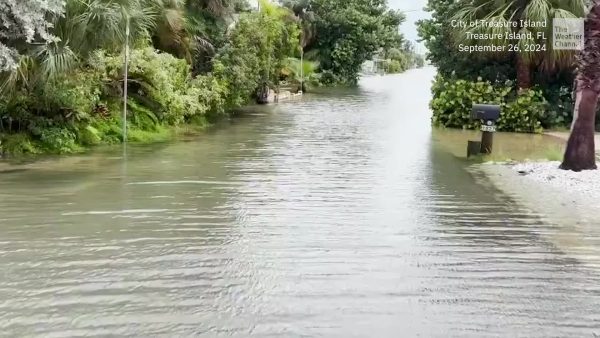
x=302, y=10
x=580, y=152
x=535, y=11
x=300, y=71
x=181, y=32
x=89, y=25
x=86, y=26
x=217, y=8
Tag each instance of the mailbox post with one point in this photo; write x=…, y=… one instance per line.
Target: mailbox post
x=488, y=114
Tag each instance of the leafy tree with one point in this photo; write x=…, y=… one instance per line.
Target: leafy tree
x=394, y=54
x=303, y=11
x=348, y=35
x=257, y=50
x=580, y=153
x=438, y=36
x=87, y=25
x=24, y=21
x=301, y=73
x=518, y=11
x=341, y=37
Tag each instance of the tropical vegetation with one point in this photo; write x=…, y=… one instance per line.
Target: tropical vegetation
x=543, y=70
x=539, y=83
x=398, y=60
x=342, y=35
x=190, y=62
x=453, y=99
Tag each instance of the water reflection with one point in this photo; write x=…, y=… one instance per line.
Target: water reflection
x=499, y=269
x=507, y=146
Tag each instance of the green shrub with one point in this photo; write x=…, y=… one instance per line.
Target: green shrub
x=109, y=130
x=159, y=80
x=453, y=99
x=561, y=106
x=72, y=95
x=84, y=107
x=257, y=50
x=523, y=112
x=18, y=144
x=89, y=136
x=141, y=117
x=394, y=66
x=159, y=134
x=58, y=140
x=294, y=71
x=16, y=113
x=211, y=94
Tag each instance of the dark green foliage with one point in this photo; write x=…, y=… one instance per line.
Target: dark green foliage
x=561, y=106
x=58, y=140
x=453, y=100
x=18, y=144
x=551, y=78
x=76, y=93
x=160, y=80
x=88, y=136
x=523, y=112
x=257, y=51
x=345, y=36
x=398, y=60
x=438, y=36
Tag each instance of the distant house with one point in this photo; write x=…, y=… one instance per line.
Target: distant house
x=369, y=67
x=373, y=66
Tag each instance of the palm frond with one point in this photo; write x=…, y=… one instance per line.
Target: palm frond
x=218, y=8
x=538, y=10
x=56, y=59
x=203, y=45
x=21, y=77
x=534, y=11
x=296, y=68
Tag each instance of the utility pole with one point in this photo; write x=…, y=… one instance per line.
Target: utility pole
x=302, y=44
x=301, y=69
x=125, y=76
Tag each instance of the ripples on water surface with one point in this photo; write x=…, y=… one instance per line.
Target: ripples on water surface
x=337, y=216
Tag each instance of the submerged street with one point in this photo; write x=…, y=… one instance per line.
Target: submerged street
x=341, y=215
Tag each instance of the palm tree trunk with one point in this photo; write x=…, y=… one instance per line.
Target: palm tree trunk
x=523, y=72
x=523, y=66
x=580, y=153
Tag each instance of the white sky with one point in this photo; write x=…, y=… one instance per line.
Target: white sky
x=414, y=11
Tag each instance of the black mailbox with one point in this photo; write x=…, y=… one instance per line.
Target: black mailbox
x=486, y=112
x=489, y=114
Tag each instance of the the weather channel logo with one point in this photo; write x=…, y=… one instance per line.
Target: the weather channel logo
x=568, y=34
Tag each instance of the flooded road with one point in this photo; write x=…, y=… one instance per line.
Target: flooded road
x=343, y=215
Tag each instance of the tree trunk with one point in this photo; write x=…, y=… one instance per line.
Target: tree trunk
x=523, y=66
x=580, y=153
x=523, y=73
x=263, y=94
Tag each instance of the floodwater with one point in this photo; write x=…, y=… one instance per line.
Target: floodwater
x=343, y=215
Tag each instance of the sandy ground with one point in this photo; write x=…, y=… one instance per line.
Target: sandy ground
x=547, y=173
